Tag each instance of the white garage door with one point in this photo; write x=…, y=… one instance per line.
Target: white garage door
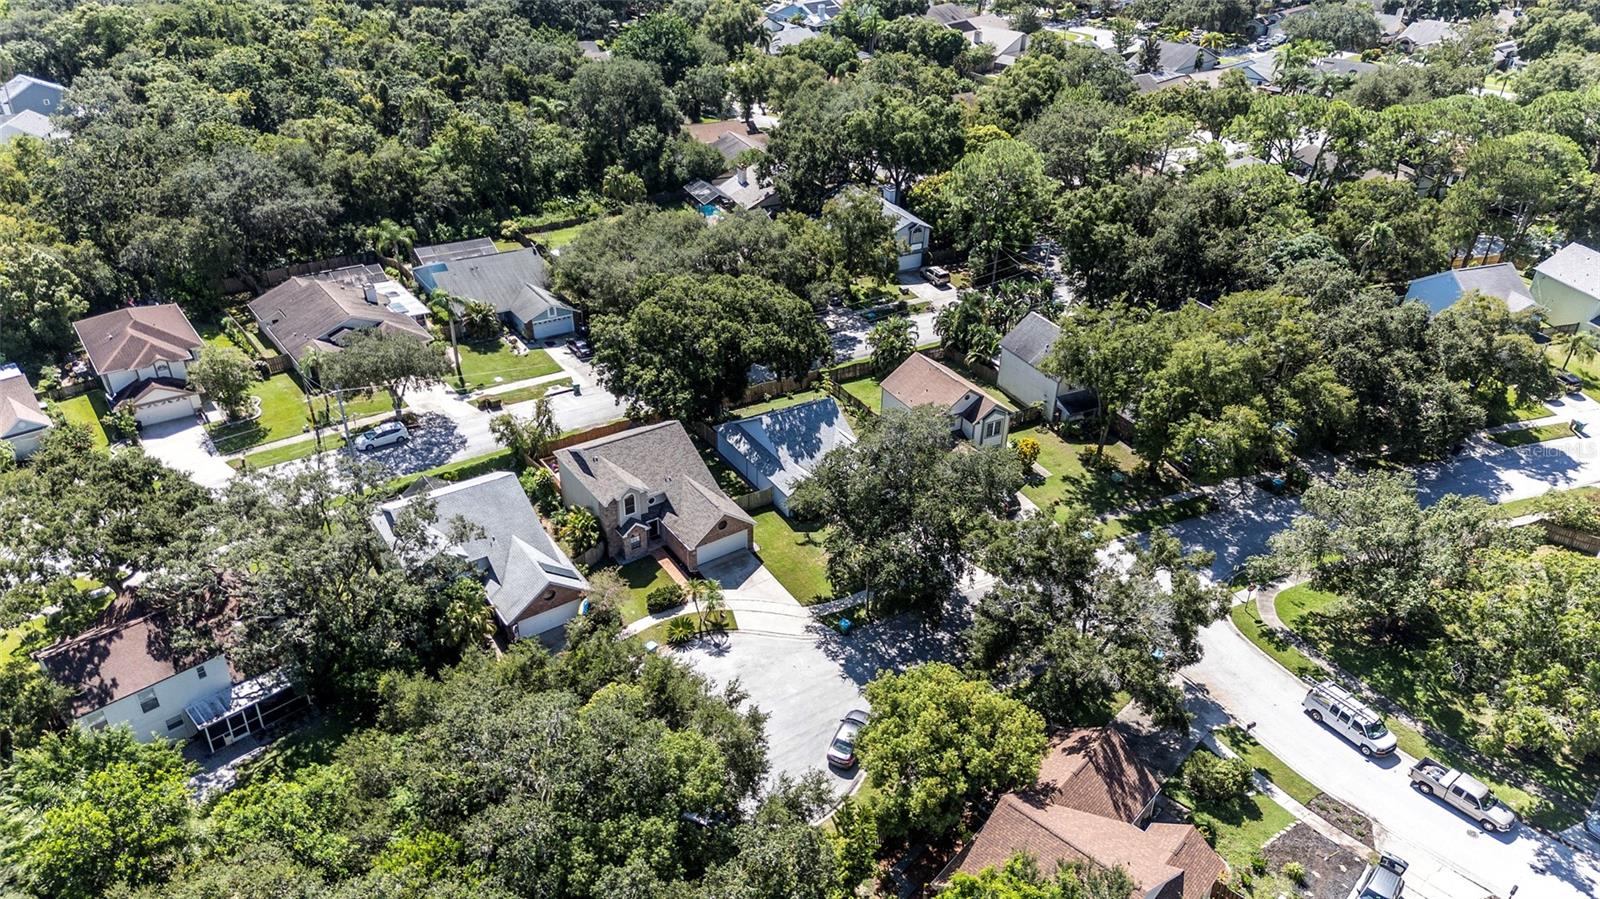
x=166, y=410
x=554, y=327
x=723, y=546
x=549, y=620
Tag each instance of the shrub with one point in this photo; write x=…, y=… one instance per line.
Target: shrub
x=1027, y=451
x=1258, y=863
x=540, y=485
x=680, y=630
x=1577, y=511
x=120, y=425
x=1207, y=826
x=578, y=530
x=1295, y=872
x=663, y=598
x=1216, y=779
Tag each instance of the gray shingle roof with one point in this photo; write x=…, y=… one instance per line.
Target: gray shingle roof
x=521, y=561
x=517, y=282
x=1502, y=280
x=1576, y=266
x=1030, y=340
x=786, y=444
x=656, y=459
x=19, y=409
x=302, y=313
x=1426, y=32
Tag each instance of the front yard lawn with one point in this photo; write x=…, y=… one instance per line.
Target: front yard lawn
x=284, y=414
x=1400, y=672
x=1157, y=516
x=1509, y=408
x=531, y=392
x=1242, y=826
x=717, y=621
x=1269, y=765
x=487, y=362
x=1070, y=482
x=1528, y=436
x=1587, y=369
x=868, y=390
x=793, y=554
x=642, y=576
x=86, y=410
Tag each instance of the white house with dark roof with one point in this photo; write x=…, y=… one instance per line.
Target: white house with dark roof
x=975, y=416
x=1440, y=292
x=532, y=584
x=651, y=490
x=780, y=449
x=1567, y=287
x=911, y=235
x=1022, y=354
x=142, y=355
x=516, y=283
x=22, y=423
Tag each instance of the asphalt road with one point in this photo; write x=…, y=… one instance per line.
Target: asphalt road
x=1451, y=857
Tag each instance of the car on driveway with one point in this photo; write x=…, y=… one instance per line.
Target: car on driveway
x=387, y=434
x=1332, y=705
x=580, y=348
x=1383, y=880
x=842, y=749
x=1569, y=382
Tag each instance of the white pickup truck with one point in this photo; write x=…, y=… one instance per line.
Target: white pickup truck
x=1465, y=792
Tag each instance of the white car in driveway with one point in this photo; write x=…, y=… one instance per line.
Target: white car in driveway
x=387, y=434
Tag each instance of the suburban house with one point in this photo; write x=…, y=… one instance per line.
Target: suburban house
x=651, y=490
x=1022, y=354
x=791, y=22
x=26, y=105
x=992, y=31
x=450, y=252
x=974, y=415
x=1178, y=58
x=380, y=288
x=22, y=423
x=305, y=314
x=781, y=448
x=122, y=671
x=531, y=583
x=1425, y=33
x=1567, y=287
x=142, y=355
x=740, y=186
x=1091, y=805
x=1440, y=292
x=516, y=283
x=911, y=236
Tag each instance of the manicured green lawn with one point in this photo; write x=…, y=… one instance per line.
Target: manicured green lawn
x=793, y=555
x=560, y=237
x=1157, y=516
x=284, y=414
x=1242, y=826
x=867, y=390
x=1070, y=482
x=778, y=402
x=1273, y=768
x=1511, y=408
x=723, y=620
x=86, y=410
x=12, y=639
x=533, y=392
x=489, y=362
x=1527, y=436
x=288, y=452
x=1400, y=673
x=1538, y=503
x=642, y=575
x=1256, y=631
x=1587, y=369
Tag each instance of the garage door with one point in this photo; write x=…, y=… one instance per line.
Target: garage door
x=554, y=327
x=166, y=410
x=544, y=621
x=723, y=546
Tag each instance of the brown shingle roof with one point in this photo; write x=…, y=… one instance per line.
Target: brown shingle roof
x=304, y=312
x=125, y=652
x=920, y=381
x=137, y=337
x=1093, y=770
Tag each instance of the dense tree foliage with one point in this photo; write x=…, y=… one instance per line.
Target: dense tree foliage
x=1020, y=878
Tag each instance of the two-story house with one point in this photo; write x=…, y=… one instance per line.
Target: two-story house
x=1022, y=371
x=305, y=314
x=651, y=490
x=532, y=585
x=123, y=672
x=975, y=416
x=26, y=105
x=1567, y=287
x=142, y=355
x=22, y=423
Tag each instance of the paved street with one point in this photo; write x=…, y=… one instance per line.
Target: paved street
x=1451, y=857
x=848, y=331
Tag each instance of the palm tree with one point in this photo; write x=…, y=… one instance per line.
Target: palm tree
x=712, y=602
x=390, y=238
x=1578, y=342
x=1213, y=40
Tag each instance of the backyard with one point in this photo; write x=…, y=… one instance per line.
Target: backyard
x=488, y=362
x=86, y=410
x=791, y=552
x=782, y=401
x=1071, y=482
x=868, y=390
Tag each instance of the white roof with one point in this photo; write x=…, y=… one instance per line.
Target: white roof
x=26, y=122
x=1574, y=265
x=399, y=299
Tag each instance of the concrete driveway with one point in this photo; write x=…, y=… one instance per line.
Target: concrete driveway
x=185, y=446
x=1451, y=858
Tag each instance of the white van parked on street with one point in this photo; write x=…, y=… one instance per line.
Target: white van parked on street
x=1334, y=706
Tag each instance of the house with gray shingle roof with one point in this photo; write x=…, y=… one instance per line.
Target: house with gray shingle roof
x=531, y=583
x=651, y=490
x=1440, y=292
x=1567, y=286
x=26, y=105
x=22, y=423
x=1022, y=356
x=142, y=355
x=516, y=283
x=975, y=416
x=780, y=449
x=1425, y=33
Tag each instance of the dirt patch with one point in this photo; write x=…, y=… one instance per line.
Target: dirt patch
x=1331, y=870
x=1343, y=817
